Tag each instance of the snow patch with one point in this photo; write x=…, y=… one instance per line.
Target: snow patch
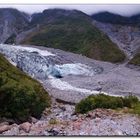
x=29, y=49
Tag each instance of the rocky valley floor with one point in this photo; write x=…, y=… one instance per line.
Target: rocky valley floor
x=60, y=120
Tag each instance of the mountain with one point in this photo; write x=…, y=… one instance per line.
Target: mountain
x=124, y=31
x=73, y=31
x=12, y=22
x=107, y=17
x=57, y=16
x=20, y=95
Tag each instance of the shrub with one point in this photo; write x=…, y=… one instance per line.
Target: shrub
x=20, y=95
x=53, y=121
x=129, y=101
x=85, y=105
x=136, y=109
x=105, y=101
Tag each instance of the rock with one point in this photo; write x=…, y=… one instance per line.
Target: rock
x=74, y=118
x=98, y=115
x=97, y=120
x=62, y=133
x=10, y=121
x=14, y=125
x=62, y=108
x=46, y=112
x=45, y=133
x=4, y=123
x=4, y=128
x=33, y=120
x=25, y=126
x=118, y=132
x=53, y=132
x=91, y=115
x=14, y=131
x=77, y=125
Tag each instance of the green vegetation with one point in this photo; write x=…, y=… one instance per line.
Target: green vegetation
x=20, y=95
x=135, y=60
x=108, y=102
x=76, y=34
x=53, y=121
x=136, y=109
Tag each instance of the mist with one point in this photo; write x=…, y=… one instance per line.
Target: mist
x=125, y=10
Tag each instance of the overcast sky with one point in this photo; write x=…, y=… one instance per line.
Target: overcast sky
x=125, y=10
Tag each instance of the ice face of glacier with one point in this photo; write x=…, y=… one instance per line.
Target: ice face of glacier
x=41, y=64
x=74, y=69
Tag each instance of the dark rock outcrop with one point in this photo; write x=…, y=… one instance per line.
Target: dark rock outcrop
x=12, y=22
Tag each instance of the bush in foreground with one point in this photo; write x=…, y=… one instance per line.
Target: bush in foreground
x=107, y=102
x=20, y=95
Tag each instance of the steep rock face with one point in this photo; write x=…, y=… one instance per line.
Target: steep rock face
x=11, y=23
x=126, y=37
x=124, y=31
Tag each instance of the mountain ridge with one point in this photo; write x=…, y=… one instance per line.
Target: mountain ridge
x=108, y=17
x=12, y=22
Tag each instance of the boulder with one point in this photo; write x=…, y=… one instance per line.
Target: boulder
x=25, y=126
x=118, y=132
x=53, y=132
x=91, y=115
x=33, y=120
x=4, y=123
x=4, y=128
x=97, y=120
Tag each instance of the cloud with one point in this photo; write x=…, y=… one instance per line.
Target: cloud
x=126, y=9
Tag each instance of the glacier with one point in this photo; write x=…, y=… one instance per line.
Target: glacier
x=40, y=64
x=45, y=67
